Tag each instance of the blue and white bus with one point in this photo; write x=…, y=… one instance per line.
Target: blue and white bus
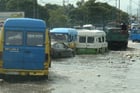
x=66, y=35
x=135, y=33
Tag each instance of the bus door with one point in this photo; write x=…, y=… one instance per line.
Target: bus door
x=13, y=50
x=34, y=52
x=24, y=51
x=90, y=42
x=82, y=42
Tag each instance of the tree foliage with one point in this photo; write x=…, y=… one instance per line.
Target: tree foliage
x=66, y=16
x=57, y=18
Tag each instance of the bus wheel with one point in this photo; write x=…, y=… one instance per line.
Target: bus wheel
x=72, y=54
x=45, y=77
x=1, y=76
x=97, y=51
x=50, y=64
x=106, y=50
x=101, y=50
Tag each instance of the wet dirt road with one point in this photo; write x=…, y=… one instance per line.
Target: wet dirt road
x=112, y=72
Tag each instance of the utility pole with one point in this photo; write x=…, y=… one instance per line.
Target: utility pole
x=119, y=12
x=130, y=7
x=17, y=5
x=65, y=2
x=130, y=11
x=82, y=1
x=35, y=12
x=138, y=12
x=116, y=3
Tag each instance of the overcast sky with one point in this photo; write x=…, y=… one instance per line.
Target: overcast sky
x=124, y=4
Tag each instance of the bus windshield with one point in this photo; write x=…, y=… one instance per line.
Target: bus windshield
x=59, y=37
x=136, y=31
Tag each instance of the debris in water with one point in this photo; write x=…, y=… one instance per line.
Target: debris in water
x=1, y=80
x=99, y=75
x=133, y=60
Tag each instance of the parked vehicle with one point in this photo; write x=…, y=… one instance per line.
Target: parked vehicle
x=99, y=27
x=77, y=27
x=91, y=42
x=117, y=36
x=89, y=27
x=135, y=32
x=65, y=35
x=26, y=47
x=60, y=49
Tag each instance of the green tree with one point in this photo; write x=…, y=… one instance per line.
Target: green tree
x=30, y=7
x=3, y=4
x=96, y=13
x=21, y=5
x=57, y=18
x=86, y=12
x=42, y=13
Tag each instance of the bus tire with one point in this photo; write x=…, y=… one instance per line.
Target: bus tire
x=1, y=76
x=101, y=50
x=50, y=64
x=96, y=51
x=45, y=77
x=72, y=54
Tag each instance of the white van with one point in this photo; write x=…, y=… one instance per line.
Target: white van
x=91, y=42
x=88, y=26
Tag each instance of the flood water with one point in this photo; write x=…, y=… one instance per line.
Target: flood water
x=111, y=72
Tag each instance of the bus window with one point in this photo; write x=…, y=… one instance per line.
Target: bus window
x=100, y=39
x=136, y=31
x=35, y=39
x=13, y=38
x=90, y=40
x=82, y=39
x=103, y=39
x=75, y=37
x=70, y=38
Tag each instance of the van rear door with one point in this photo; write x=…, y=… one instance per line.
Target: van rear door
x=13, y=52
x=24, y=50
x=34, y=53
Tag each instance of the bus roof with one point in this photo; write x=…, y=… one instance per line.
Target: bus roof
x=64, y=30
x=25, y=22
x=91, y=32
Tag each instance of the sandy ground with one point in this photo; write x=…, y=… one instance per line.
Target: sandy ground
x=112, y=72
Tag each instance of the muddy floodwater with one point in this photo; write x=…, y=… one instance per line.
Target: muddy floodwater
x=112, y=72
